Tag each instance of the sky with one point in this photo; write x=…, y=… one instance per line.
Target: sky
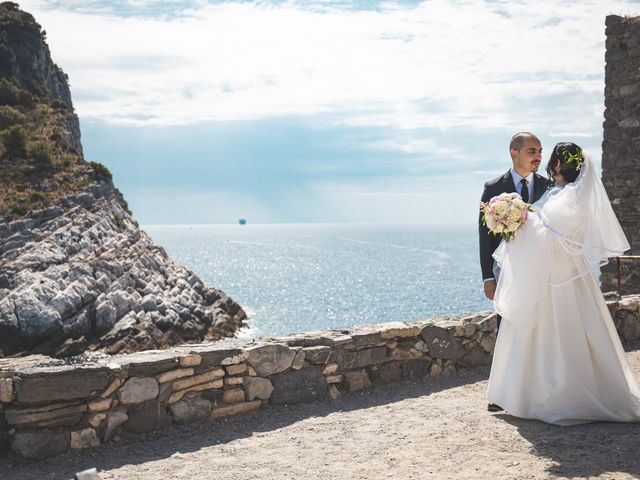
x=324, y=110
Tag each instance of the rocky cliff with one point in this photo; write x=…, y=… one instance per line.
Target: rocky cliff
x=76, y=271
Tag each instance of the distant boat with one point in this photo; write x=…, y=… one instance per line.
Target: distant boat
x=242, y=221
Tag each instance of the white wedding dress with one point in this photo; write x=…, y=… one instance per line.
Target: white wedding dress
x=558, y=357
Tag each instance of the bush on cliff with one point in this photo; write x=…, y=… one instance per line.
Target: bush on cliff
x=101, y=171
x=40, y=152
x=15, y=142
x=9, y=117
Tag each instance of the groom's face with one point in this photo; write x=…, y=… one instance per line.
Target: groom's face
x=528, y=158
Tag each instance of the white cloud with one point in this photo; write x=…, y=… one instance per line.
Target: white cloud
x=436, y=64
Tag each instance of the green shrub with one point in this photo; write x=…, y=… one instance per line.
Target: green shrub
x=9, y=117
x=59, y=105
x=36, y=197
x=15, y=142
x=119, y=221
x=11, y=94
x=100, y=170
x=40, y=152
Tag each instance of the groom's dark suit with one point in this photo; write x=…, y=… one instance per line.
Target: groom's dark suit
x=489, y=242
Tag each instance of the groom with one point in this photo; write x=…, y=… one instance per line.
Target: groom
x=526, y=155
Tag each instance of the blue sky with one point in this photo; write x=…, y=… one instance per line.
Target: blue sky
x=324, y=111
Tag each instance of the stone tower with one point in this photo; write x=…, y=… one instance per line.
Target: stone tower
x=621, y=143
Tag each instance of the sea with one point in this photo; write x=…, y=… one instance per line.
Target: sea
x=293, y=278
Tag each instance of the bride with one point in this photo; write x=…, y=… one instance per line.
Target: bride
x=558, y=357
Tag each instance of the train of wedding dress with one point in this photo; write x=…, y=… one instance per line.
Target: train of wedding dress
x=558, y=357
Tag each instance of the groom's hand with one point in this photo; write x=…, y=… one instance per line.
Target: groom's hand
x=490, y=289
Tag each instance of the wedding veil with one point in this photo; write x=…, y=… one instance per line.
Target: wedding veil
x=576, y=221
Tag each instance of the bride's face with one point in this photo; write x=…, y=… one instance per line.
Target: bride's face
x=558, y=178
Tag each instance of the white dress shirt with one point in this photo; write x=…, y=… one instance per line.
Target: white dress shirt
x=517, y=179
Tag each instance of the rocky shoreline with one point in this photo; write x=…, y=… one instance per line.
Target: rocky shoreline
x=82, y=275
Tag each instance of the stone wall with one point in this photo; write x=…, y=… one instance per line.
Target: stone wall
x=621, y=144
x=48, y=406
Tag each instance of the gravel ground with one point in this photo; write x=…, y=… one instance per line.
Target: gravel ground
x=428, y=429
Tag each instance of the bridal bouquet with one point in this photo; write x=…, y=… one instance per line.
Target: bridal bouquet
x=505, y=214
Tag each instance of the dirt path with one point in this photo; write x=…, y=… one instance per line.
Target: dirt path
x=428, y=429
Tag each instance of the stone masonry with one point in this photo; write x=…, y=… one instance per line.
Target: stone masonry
x=621, y=144
x=48, y=406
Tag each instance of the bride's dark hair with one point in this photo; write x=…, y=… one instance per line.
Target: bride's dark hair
x=570, y=158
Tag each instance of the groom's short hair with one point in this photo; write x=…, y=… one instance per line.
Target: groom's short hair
x=517, y=141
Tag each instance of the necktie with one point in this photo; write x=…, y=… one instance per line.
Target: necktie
x=524, y=192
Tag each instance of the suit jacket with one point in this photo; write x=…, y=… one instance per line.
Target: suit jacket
x=488, y=241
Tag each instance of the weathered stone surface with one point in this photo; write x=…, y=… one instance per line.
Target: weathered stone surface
x=212, y=385
x=198, y=379
x=361, y=338
x=348, y=360
x=257, y=387
x=99, y=405
x=317, y=355
x=96, y=420
x=146, y=416
x=330, y=369
x=85, y=438
x=400, y=353
x=395, y=371
x=36, y=445
x=270, y=359
x=172, y=375
x=476, y=357
x=398, y=330
x=112, y=388
x=49, y=385
x=298, y=360
x=333, y=378
x=214, y=355
x=137, y=390
x=115, y=418
x=357, y=380
x=190, y=360
x=191, y=410
x=435, y=370
x=49, y=416
x=7, y=393
x=236, y=409
x=233, y=395
x=298, y=386
x=147, y=364
x=233, y=381
x=442, y=343
x=238, y=369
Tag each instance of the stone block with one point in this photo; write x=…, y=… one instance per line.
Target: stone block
x=236, y=409
x=7, y=393
x=442, y=343
x=112, y=388
x=298, y=360
x=115, y=419
x=96, y=420
x=398, y=330
x=317, y=355
x=146, y=416
x=85, y=438
x=270, y=359
x=330, y=369
x=334, y=378
x=198, y=379
x=47, y=416
x=257, y=387
x=138, y=390
x=148, y=364
x=238, y=369
x=349, y=360
x=58, y=383
x=172, y=375
x=191, y=410
x=233, y=395
x=298, y=386
x=211, y=385
x=365, y=338
x=233, y=381
x=476, y=357
x=190, y=360
x=401, y=353
x=99, y=405
x=218, y=355
x=396, y=371
x=357, y=380
x=37, y=445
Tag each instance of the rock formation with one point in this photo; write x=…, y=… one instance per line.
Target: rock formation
x=76, y=271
